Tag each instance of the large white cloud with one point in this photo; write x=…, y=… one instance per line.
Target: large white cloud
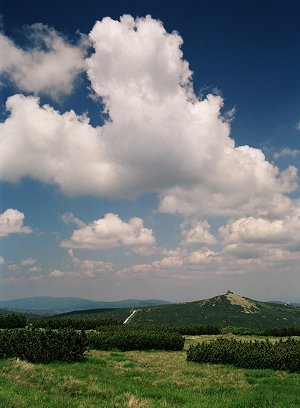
x=50, y=66
x=12, y=222
x=111, y=232
x=160, y=137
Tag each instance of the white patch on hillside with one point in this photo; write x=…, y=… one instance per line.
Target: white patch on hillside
x=240, y=301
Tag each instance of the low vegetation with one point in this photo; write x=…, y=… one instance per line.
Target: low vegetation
x=279, y=355
x=12, y=320
x=143, y=379
x=77, y=323
x=135, y=339
x=43, y=346
x=141, y=365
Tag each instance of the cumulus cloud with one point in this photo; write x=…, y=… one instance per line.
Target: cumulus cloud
x=244, y=183
x=49, y=66
x=83, y=268
x=111, y=232
x=199, y=234
x=12, y=222
x=89, y=268
x=251, y=237
x=179, y=264
x=2, y=260
x=160, y=137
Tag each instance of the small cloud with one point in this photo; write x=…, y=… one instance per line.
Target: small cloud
x=287, y=152
x=55, y=273
x=49, y=66
x=144, y=250
x=35, y=269
x=69, y=218
x=35, y=278
x=27, y=262
x=2, y=260
x=11, y=222
x=13, y=267
x=89, y=268
x=199, y=234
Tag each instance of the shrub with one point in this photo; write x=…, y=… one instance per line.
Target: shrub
x=282, y=331
x=12, y=320
x=77, y=323
x=281, y=355
x=43, y=346
x=135, y=339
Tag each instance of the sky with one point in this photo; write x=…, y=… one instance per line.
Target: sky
x=149, y=149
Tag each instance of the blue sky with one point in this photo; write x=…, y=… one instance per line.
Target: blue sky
x=150, y=157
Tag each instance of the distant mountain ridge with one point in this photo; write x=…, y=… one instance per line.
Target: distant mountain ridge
x=53, y=305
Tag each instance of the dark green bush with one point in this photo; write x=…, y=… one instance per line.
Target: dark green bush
x=282, y=331
x=191, y=329
x=135, y=339
x=281, y=355
x=77, y=323
x=12, y=320
x=43, y=346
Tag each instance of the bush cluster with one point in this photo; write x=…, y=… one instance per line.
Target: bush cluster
x=76, y=323
x=282, y=331
x=43, y=346
x=184, y=329
x=12, y=320
x=126, y=339
x=192, y=329
x=281, y=355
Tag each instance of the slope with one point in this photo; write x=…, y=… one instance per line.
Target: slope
x=229, y=309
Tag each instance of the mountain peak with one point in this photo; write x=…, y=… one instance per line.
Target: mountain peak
x=246, y=304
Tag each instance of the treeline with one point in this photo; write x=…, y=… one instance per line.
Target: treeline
x=15, y=320
x=18, y=320
x=281, y=355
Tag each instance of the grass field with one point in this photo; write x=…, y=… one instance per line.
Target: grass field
x=143, y=380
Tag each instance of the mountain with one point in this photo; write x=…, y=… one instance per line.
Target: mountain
x=229, y=309
x=225, y=310
x=53, y=305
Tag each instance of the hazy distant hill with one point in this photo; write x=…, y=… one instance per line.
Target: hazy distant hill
x=229, y=309
x=51, y=305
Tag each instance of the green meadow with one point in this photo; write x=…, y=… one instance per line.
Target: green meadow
x=140, y=379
